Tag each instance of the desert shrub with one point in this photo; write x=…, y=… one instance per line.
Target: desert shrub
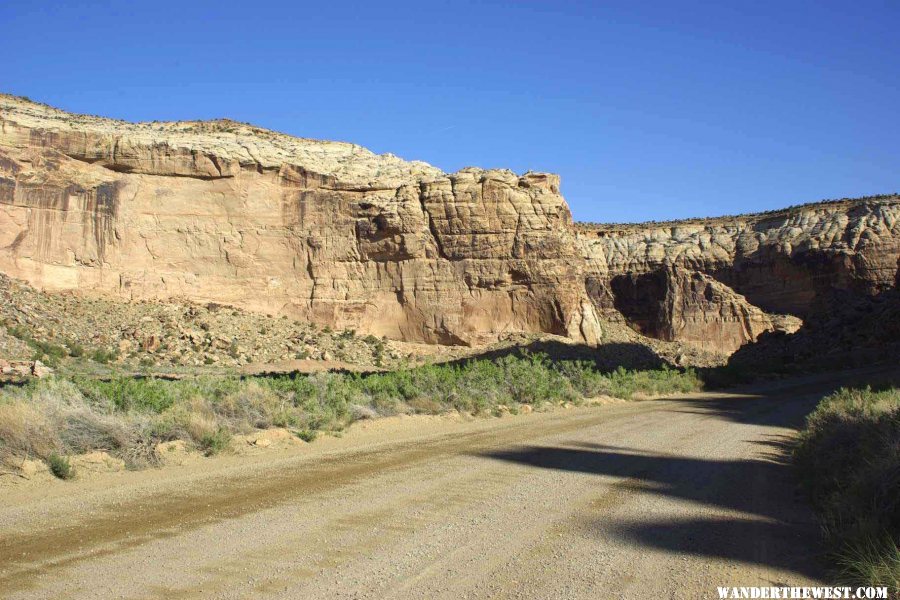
x=17, y=331
x=848, y=458
x=360, y=412
x=327, y=401
x=584, y=378
x=84, y=430
x=427, y=406
x=733, y=374
x=193, y=420
x=132, y=394
x=54, y=392
x=625, y=384
x=870, y=561
x=475, y=386
x=60, y=466
x=387, y=393
x=212, y=388
x=104, y=356
x=254, y=405
x=41, y=350
x=532, y=380
x=190, y=420
x=52, y=414
x=307, y=435
x=322, y=400
x=215, y=441
x=47, y=351
x=75, y=349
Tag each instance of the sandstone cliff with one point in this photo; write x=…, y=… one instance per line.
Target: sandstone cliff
x=323, y=231
x=331, y=233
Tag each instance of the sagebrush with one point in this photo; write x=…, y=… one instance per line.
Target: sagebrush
x=129, y=416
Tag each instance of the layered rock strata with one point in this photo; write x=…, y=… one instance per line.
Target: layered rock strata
x=725, y=280
x=323, y=231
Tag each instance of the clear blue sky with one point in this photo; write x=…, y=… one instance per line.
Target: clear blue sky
x=648, y=110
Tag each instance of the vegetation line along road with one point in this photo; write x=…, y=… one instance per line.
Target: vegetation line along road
x=129, y=417
x=849, y=461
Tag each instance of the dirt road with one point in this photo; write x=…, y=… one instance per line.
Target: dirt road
x=650, y=499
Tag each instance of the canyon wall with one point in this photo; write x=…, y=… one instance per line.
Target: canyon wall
x=330, y=232
x=324, y=231
x=732, y=278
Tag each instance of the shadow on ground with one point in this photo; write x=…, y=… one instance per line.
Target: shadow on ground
x=844, y=328
x=737, y=406
x=605, y=357
x=756, y=405
x=761, y=518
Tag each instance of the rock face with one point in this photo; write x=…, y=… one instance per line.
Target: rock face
x=725, y=281
x=331, y=233
x=323, y=231
x=675, y=304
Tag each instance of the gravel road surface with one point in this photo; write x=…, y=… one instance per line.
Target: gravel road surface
x=664, y=498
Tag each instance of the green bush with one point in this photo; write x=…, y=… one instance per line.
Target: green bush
x=625, y=384
x=216, y=441
x=584, y=378
x=307, y=435
x=41, y=350
x=60, y=466
x=131, y=394
x=51, y=353
x=103, y=356
x=18, y=331
x=871, y=561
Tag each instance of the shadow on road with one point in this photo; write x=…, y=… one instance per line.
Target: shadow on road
x=772, y=525
x=766, y=410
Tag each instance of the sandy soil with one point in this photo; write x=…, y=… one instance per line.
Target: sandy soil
x=650, y=499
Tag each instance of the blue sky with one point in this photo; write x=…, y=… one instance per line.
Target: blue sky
x=648, y=110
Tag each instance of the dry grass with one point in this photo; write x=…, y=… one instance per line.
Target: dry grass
x=25, y=432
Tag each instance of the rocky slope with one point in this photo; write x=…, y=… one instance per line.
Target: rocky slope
x=145, y=333
x=332, y=234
